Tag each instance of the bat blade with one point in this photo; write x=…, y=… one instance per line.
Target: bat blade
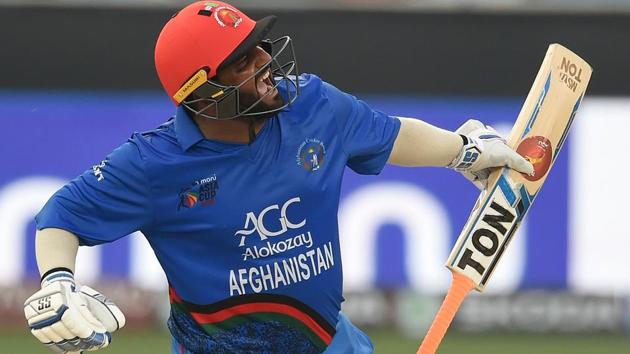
x=538, y=134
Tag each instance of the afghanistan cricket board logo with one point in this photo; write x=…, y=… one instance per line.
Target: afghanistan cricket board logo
x=202, y=192
x=311, y=154
x=225, y=16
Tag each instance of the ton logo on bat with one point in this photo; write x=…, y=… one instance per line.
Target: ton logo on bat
x=489, y=233
x=571, y=74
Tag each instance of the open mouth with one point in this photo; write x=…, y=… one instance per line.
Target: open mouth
x=264, y=84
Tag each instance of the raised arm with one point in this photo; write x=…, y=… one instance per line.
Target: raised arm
x=473, y=149
x=421, y=144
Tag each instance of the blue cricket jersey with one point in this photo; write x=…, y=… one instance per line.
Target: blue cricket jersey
x=246, y=234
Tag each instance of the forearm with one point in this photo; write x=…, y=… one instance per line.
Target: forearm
x=421, y=144
x=55, y=248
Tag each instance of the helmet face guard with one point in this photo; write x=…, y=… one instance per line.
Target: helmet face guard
x=214, y=100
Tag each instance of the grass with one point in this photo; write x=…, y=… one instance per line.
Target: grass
x=495, y=343
x=129, y=341
x=20, y=341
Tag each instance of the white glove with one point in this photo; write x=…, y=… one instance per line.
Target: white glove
x=67, y=320
x=484, y=149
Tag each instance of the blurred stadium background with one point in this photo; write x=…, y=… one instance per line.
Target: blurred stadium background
x=77, y=77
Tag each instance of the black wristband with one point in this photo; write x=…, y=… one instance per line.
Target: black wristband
x=58, y=269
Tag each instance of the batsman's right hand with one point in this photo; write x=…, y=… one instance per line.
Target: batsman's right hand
x=483, y=150
x=67, y=319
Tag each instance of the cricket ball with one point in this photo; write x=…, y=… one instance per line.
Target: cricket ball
x=538, y=151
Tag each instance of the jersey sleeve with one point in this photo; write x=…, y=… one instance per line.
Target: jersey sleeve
x=367, y=135
x=105, y=203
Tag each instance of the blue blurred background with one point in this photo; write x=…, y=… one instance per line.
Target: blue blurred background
x=77, y=78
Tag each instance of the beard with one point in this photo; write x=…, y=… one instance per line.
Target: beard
x=268, y=103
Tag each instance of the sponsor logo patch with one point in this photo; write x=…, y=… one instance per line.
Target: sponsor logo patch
x=201, y=192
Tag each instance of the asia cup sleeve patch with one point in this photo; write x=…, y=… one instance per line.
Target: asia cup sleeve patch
x=108, y=201
x=367, y=135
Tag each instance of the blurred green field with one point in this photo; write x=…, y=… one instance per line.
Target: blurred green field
x=15, y=341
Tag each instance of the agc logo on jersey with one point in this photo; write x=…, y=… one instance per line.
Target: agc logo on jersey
x=256, y=223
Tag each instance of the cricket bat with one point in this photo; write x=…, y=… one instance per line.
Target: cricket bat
x=538, y=135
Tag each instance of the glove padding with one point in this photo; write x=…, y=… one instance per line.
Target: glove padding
x=483, y=150
x=67, y=320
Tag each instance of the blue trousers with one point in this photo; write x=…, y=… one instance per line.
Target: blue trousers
x=348, y=339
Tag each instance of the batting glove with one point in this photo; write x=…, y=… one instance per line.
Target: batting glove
x=484, y=149
x=67, y=319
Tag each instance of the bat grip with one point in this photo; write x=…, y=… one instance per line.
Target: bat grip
x=460, y=287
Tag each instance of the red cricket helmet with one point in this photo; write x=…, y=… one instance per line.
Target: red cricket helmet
x=202, y=38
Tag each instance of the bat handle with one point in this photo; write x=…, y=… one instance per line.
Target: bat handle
x=460, y=287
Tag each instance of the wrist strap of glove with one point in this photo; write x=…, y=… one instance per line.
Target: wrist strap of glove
x=464, y=139
x=467, y=156
x=57, y=274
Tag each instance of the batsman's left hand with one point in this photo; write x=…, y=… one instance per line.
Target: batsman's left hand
x=71, y=320
x=483, y=150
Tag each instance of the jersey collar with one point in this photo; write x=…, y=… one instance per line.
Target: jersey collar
x=186, y=130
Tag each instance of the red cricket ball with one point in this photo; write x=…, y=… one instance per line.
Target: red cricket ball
x=538, y=151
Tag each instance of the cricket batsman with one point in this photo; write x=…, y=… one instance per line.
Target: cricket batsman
x=237, y=194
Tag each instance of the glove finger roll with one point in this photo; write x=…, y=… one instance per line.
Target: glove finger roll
x=103, y=309
x=519, y=163
x=41, y=336
x=51, y=334
x=86, y=316
x=60, y=329
x=75, y=323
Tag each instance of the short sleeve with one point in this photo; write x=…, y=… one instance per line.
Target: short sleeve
x=367, y=135
x=105, y=203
